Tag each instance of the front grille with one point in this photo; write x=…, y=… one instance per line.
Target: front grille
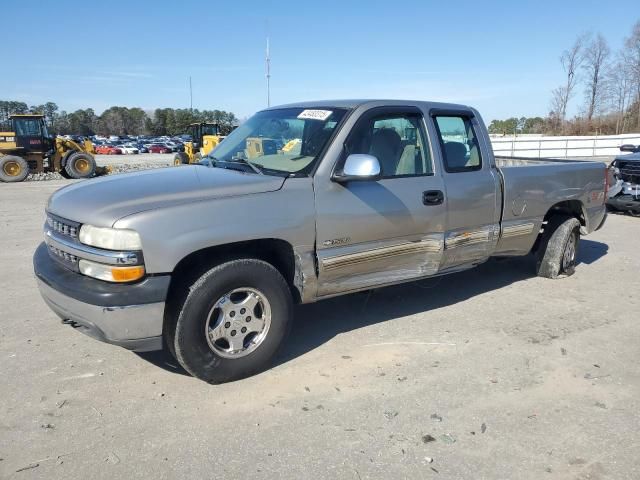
x=63, y=227
x=65, y=257
x=629, y=171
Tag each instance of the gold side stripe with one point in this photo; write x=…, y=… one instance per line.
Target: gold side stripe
x=467, y=238
x=381, y=253
x=517, y=230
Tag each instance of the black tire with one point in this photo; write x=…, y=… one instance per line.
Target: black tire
x=80, y=165
x=559, y=247
x=189, y=340
x=180, y=158
x=13, y=169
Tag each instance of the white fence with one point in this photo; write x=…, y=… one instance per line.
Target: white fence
x=534, y=146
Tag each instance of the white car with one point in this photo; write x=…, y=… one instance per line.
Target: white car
x=128, y=149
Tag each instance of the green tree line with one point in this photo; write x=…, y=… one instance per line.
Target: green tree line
x=119, y=120
x=518, y=125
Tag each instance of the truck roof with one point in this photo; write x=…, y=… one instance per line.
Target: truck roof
x=354, y=103
x=26, y=115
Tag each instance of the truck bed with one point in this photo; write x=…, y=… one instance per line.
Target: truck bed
x=503, y=161
x=531, y=187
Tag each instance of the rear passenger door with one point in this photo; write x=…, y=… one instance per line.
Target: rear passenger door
x=472, y=188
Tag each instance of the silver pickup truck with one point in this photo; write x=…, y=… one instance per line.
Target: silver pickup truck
x=300, y=203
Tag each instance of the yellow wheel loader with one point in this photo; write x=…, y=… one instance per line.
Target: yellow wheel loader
x=204, y=138
x=28, y=148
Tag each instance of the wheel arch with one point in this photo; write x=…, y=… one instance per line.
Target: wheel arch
x=278, y=253
x=569, y=208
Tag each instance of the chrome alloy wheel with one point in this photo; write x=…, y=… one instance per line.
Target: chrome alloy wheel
x=238, y=323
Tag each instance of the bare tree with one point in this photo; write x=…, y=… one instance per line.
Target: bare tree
x=619, y=89
x=571, y=60
x=632, y=54
x=595, y=59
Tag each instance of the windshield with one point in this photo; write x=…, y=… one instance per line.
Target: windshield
x=287, y=140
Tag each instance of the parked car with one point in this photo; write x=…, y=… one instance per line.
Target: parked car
x=209, y=260
x=174, y=146
x=108, y=150
x=159, y=148
x=141, y=148
x=129, y=149
x=624, y=192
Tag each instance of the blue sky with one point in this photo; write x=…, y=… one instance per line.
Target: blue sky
x=501, y=57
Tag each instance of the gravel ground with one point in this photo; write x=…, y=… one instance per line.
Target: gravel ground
x=118, y=164
x=487, y=374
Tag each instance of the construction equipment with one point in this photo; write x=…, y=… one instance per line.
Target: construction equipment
x=28, y=148
x=204, y=138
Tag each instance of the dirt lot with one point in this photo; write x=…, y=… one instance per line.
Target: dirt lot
x=491, y=373
x=142, y=158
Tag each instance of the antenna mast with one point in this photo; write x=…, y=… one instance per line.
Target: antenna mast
x=268, y=74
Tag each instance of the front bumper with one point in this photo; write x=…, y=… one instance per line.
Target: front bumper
x=128, y=315
x=624, y=203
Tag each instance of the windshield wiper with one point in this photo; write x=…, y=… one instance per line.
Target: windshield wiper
x=213, y=162
x=244, y=161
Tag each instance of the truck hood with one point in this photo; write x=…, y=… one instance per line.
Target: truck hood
x=103, y=201
x=634, y=157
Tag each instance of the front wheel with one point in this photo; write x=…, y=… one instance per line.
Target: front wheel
x=80, y=165
x=558, y=251
x=180, y=158
x=233, y=321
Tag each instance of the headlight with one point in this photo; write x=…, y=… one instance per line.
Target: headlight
x=110, y=238
x=110, y=273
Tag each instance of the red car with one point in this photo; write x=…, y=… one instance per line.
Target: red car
x=108, y=150
x=157, y=148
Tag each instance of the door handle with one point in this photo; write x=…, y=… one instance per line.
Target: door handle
x=432, y=197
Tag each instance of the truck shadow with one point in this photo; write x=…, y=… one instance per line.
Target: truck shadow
x=317, y=323
x=590, y=251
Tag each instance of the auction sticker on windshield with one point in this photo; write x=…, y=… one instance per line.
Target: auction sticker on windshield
x=321, y=115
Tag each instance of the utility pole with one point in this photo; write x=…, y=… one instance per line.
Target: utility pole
x=268, y=74
x=190, y=96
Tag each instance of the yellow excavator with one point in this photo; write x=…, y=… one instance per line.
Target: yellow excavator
x=28, y=148
x=204, y=138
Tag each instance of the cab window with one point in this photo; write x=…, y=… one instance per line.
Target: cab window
x=28, y=127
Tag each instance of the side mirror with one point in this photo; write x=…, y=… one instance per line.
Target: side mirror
x=358, y=167
x=629, y=148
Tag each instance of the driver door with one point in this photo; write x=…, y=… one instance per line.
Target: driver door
x=377, y=232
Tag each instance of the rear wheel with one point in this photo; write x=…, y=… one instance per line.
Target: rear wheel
x=233, y=321
x=13, y=168
x=558, y=251
x=80, y=165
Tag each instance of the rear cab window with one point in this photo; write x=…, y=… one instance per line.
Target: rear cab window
x=458, y=143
